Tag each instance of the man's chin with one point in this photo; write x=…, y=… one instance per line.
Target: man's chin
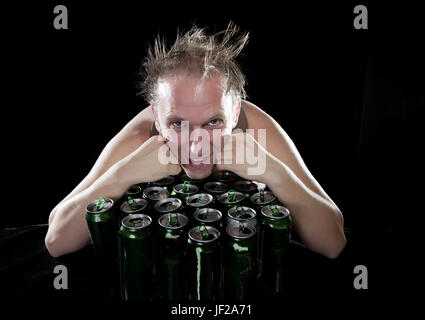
x=198, y=172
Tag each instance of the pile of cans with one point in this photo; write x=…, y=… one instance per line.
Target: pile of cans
x=178, y=238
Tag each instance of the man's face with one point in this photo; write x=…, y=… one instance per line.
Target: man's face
x=187, y=104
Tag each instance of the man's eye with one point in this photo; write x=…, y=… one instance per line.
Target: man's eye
x=177, y=124
x=214, y=122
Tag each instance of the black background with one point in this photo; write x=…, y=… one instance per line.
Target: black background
x=352, y=101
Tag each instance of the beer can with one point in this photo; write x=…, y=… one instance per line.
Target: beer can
x=133, y=206
x=209, y=217
x=248, y=188
x=184, y=190
x=216, y=188
x=263, y=198
x=199, y=200
x=165, y=183
x=102, y=223
x=231, y=199
x=134, y=191
x=168, y=205
x=204, y=256
x=241, y=214
x=276, y=234
x=227, y=177
x=240, y=262
x=153, y=194
x=136, y=257
x=171, y=241
x=184, y=177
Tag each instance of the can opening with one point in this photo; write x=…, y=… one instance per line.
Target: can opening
x=136, y=222
x=241, y=213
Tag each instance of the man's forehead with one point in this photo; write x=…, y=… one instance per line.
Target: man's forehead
x=176, y=91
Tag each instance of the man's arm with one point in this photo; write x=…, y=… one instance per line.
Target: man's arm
x=317, y=219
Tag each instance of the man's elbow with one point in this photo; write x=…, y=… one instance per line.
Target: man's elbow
x=52, y=245
x=338, y=246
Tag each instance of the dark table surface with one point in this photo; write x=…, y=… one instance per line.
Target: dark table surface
x=26, y=269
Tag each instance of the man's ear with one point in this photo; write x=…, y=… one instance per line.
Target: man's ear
x=155, y=117
x=238, y=111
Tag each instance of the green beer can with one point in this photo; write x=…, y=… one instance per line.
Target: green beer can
x=102, y=223
x=227, y=177
x=184, y=177
x=165, y=183
x=168, y=205
x=136, y=257
x=248, y=188
x=171, y=241
x=216, y=188
x=231, y=199
x=153, y=194
x=276, y=224
x=263, y=198
x=133, y=206
x=208, y=217
x=240, y=262
x=198, y=201
x=184, y=191
x=204, y=257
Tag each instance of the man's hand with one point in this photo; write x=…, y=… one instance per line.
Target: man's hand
x=143, y=164
x=244, y=156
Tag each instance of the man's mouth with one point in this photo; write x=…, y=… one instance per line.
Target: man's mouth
x=196, y=162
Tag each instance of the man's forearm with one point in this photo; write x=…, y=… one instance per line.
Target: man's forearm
x=318, y=222
x=68, y=229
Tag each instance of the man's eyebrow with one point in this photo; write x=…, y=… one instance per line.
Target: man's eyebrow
x=218, y=115
x=172, y=118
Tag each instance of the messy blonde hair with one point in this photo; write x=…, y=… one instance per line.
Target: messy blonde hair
x=195, y=52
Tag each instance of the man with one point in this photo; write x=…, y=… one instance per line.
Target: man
x=196, y=87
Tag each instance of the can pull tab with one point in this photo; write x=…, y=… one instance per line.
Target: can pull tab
x=262, y=195
x=240, y=212
x=204, y=232
x=231, y=195
x=186, y=186
x=100, y=203
x=132, y=203
x=274, y=210
x=173, y=219
x=199, y=199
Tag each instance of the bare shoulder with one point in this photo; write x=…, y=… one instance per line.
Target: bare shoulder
x=280, y=145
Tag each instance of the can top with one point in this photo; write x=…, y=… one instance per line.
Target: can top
x=245, y=186
x=136, y=221
x=260, y=185
x=275, y=212
x=133, y=205
x=262, y=197
x=204, y=234
x=231, y=197
x=155, y=193
x=166, y=181
x=184, y=177
x=134, y=189
x=186, y=188
x=241, y=232
x=168, y=205
x=173, y=221
x=100, y=205
x=207, y=215
x=224, y=176
x=199, y=200
x=216, y=187
x=241, y=213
